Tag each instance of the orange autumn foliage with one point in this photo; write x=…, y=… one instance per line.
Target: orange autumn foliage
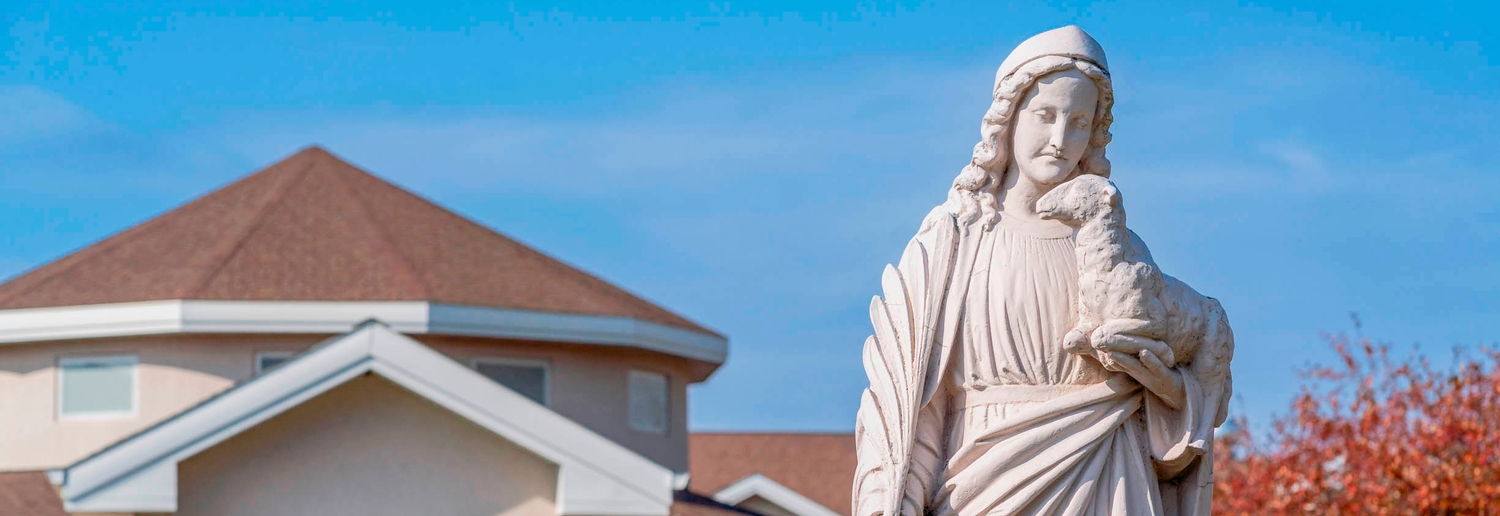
x=1376, y=436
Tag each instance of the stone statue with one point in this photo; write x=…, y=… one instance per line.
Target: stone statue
x=1028, y=356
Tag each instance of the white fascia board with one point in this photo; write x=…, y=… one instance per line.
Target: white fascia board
x=79, y=322
x=300, y=316
x=758, y=485
x=596, y=477
x=476, y=321
x=334, y=317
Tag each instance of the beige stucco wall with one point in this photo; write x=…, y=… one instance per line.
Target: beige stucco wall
x=366, y=447
x=587, y=384
x=175, y=372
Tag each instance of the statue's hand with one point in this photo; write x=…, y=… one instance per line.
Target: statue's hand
x=1137, y=357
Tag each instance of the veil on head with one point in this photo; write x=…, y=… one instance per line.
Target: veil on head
x=974, y=196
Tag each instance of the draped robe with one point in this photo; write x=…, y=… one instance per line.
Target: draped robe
x=1015, y=424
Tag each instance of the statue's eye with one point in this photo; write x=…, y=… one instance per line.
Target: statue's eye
x=1045, y=115
x=1082, y=123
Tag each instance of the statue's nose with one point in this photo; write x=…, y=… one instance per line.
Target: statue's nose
x=1059, y=136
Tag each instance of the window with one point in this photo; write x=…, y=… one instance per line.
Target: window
x=526, y=377
x=268, y=360
x=97, y=387
x=648, y=402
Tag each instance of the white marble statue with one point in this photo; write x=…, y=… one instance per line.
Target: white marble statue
x=1029, y=357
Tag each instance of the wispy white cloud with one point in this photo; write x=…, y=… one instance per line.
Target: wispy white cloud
x=689, y=139
x=30, y=114
x=1306, y=169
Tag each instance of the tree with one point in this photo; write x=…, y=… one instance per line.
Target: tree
x=1373, y=435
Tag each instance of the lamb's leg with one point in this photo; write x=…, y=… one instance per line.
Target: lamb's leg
x=1125, y=335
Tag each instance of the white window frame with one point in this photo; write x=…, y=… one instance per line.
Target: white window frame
x=134, y=361
x=286, y=356
x=546, y=366
x=666, y=427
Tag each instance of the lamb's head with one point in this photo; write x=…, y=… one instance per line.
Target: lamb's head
x=1081, y=199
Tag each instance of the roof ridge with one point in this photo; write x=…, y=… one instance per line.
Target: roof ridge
x=238, y=243
x=410, y=269
x=315, y=227
x=576, y=274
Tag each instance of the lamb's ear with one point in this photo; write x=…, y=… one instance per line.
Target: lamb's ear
x=1112, y=192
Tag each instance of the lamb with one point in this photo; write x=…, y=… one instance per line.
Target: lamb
x=1121, y=291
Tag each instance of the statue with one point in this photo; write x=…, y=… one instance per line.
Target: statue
x=1028, y=357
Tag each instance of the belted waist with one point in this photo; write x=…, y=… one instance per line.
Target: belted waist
x=988, y=395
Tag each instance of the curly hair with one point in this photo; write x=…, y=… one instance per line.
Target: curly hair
x=975, y=192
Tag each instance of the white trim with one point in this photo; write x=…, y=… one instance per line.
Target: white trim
x=475, y=321
x=596, y=476
x=335, y=317
x=134, y=361
x=545, y=365
x=285, y=356
x=770, y=491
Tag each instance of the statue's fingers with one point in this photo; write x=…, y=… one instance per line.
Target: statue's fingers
x=1132, y=366
x=1128, y=364
x=1170, y=389
x=1132, y=345
x=1149, y=360
x=1109, y=363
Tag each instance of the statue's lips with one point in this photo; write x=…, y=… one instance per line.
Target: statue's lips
x=1048, y=165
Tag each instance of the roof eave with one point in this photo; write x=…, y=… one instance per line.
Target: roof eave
x=176, y=316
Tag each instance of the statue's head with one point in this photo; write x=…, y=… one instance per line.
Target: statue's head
x=1049, y=121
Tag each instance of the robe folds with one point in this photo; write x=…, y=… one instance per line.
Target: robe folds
x=1015, y=425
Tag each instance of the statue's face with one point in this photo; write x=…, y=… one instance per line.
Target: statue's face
x=1053, y=125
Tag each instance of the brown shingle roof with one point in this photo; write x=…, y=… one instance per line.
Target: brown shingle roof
x=818, y=466
x=28, y=493
x=315, y=228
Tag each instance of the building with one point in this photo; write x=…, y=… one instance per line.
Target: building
x=313, y=340
x=775, y=474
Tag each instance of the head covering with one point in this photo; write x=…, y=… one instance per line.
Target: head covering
x=1069, y=41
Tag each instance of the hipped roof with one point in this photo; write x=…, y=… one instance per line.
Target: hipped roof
x=316, y=228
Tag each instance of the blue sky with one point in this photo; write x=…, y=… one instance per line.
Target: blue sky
x=753, y=166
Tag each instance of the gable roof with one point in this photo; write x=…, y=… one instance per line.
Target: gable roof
x=315, y=228
x=819, y=467
x=596, y=476
x=744, y=492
